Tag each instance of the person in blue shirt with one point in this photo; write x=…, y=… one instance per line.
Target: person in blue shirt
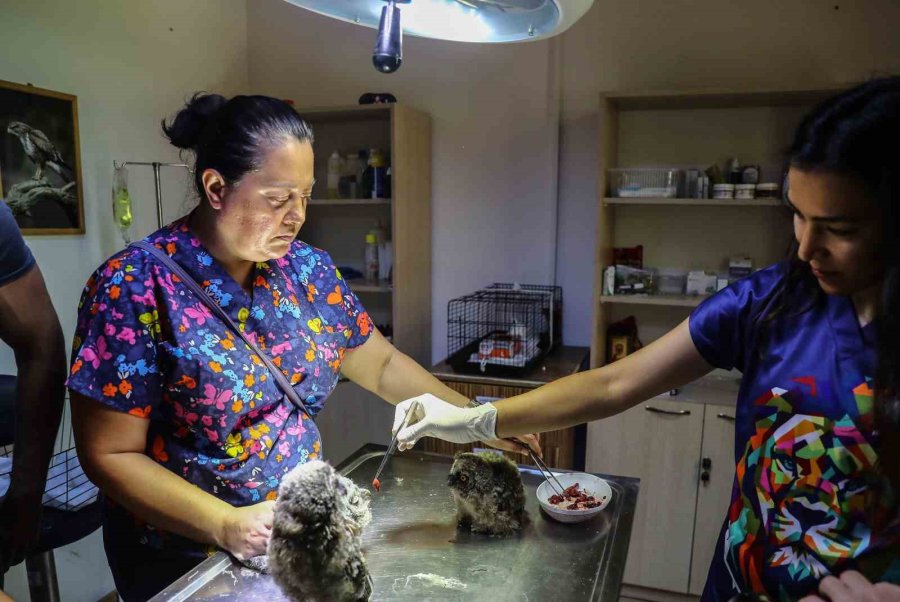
x=29, y=325
x=814, y=508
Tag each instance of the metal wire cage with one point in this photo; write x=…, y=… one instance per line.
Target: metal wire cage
x=504, y=329
x=68, y=488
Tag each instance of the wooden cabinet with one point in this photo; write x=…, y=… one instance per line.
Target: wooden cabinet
x=352, y=416
x=714, y=490
x=563, y=448
x=679, y=514
x=658, y=442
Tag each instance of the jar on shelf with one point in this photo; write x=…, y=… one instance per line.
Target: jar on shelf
x=767, y=190
x=723, y=191
x=745, y=192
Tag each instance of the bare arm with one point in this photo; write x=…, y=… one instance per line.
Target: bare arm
x=665, y=364
x=379, y=367
x=29, y=325
x=111, y=447
x=31, y=328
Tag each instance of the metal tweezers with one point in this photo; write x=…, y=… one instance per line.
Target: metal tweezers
x=545, y=470
x=393, y=446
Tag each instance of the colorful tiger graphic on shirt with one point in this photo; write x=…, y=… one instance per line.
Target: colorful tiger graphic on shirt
x=799, y=507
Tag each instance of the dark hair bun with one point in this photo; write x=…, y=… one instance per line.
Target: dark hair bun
x=185, y=130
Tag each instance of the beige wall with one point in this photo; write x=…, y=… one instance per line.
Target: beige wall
x=130, y=64
x=495, y=110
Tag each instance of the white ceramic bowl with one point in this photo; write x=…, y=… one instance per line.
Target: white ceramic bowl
x=593, y=485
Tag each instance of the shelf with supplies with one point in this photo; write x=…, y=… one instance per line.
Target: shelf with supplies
x=350, y=202
x=662, y=300
x=401, y=217
x=693, y=202
x=401, y=307
x=666, y=144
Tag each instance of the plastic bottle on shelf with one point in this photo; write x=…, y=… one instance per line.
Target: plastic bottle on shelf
x=734, y=171
x=350, y=178
x=334, y=175
x=378, y=167
x=371, y=258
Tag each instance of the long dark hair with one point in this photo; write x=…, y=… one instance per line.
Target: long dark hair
x=232, y=136
x=856, y=134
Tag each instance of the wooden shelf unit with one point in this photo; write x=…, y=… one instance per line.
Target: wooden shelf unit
x=353, y=416
x=689, y=128
x=339, y=225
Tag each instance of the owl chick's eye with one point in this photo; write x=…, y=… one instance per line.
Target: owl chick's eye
x=463, y=478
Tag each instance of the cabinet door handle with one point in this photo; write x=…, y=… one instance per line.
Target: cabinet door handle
x=668, y=412
x=725, y=417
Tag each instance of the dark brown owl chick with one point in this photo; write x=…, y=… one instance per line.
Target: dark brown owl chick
x=488, y=491
x=315, y=551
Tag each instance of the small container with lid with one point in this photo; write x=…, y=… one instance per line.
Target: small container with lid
x=745, y=191
x=767, y=190
x=671, y=281
x=723, y=191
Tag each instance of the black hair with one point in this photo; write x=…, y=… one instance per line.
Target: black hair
x=854, y=134
x=232, y=136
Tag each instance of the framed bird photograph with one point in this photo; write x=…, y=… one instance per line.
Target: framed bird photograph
x=40, y=161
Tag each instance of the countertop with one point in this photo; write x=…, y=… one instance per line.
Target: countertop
x=719, y=387
x=414, y=550
x=561, y=362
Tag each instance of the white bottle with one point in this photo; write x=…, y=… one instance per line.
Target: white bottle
x=334, y=174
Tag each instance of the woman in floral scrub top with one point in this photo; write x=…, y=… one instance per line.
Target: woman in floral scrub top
x=177, y=420
x=814, y=508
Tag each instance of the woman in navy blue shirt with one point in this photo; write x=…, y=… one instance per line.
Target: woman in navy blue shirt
x=817, y=339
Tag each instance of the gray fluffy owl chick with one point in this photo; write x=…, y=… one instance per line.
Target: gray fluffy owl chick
x=315, y=552
x=488, y=491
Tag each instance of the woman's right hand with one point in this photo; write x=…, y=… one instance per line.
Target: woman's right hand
x=245, y=531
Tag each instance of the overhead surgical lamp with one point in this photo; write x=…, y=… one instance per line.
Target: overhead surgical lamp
x=484, y=21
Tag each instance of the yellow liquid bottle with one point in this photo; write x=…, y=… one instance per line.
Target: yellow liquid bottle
x=121, y=203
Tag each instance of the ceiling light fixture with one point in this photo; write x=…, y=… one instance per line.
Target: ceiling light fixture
x=482, y=21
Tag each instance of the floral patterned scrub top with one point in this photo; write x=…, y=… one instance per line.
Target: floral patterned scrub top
x=146, y=345
x=804, y=444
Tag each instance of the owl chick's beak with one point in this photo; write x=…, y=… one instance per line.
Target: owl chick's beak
x=452, y=480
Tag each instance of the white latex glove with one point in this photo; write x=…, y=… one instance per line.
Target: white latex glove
x=433, y=417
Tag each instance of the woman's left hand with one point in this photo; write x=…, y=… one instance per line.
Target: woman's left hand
x=851, y=586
